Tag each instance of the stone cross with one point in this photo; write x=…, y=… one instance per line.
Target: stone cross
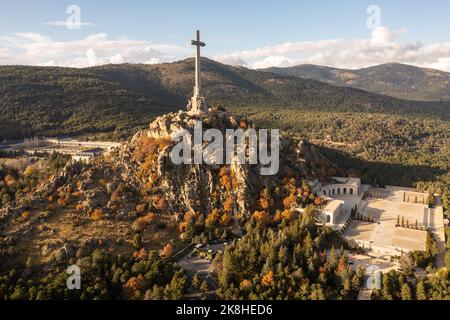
x=198, y=44
x=197, y=104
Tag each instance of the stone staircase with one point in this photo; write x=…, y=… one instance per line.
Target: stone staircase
x=346, y=224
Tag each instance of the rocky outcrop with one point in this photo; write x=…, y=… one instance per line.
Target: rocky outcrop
x=197, y=186
x=185, y=187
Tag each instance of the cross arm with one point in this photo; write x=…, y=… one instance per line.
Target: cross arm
x=198, y=43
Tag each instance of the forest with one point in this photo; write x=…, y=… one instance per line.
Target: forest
x=382, y=149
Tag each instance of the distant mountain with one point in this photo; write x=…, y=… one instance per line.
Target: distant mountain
x=392, y=79
x=55, y=101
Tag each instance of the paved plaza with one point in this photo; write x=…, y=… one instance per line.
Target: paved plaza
x=387, y=221
x=383, y=235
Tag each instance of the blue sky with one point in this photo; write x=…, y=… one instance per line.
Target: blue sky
x=228, y=27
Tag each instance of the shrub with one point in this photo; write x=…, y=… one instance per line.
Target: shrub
x=25, y=215
x=96, y=214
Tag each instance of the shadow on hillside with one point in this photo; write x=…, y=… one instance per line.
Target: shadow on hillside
x=381, y=173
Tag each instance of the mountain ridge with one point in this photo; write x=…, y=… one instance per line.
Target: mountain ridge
x=69, y=101
x=392, y=79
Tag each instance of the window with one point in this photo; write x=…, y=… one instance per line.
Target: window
x=351, y=191
x=345, y=190
x=328, y=218
x=339, y=190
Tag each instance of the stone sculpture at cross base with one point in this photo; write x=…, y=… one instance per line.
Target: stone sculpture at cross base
x=197, y=105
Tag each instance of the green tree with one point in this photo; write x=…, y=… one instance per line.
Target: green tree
x=308, y=242
x=204, y=287
x=447, y=258
x=430, y=200
x=137, y=241
x=176, y=288
x=386, y=287
x=19, y=294
x=332, y=260
x=406, y=292
x=99, y=257
x=157, y=293
x=407, y=264
x=283, y=255
x=420, y=291
x=195, y=281
x=317, y=292
x=190, y=230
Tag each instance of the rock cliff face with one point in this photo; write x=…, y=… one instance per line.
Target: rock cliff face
x=199, y=187
x=202, y=187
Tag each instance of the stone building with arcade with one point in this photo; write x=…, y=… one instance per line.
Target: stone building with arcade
x=385, y=221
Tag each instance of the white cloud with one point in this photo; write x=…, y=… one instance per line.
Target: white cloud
x=381, y=47
x=96, y=49
x=92, y=57
x=4, y=53
x=382, y=36
x=273, y=61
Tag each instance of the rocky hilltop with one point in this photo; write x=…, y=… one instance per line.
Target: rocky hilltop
x=144, y=164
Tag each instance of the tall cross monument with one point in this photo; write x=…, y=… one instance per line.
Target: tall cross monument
x=197, y=103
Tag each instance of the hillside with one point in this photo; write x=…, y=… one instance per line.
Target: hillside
x=123, y=98
x=392, y=79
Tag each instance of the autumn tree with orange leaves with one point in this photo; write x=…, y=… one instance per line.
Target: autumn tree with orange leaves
x=262, y=218
x=167, y=251
x=267, y=280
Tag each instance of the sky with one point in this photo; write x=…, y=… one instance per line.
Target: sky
x=255, y=34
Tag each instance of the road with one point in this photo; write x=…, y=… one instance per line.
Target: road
x=194, y=264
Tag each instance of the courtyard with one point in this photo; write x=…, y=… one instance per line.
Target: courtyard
x=383, y=235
